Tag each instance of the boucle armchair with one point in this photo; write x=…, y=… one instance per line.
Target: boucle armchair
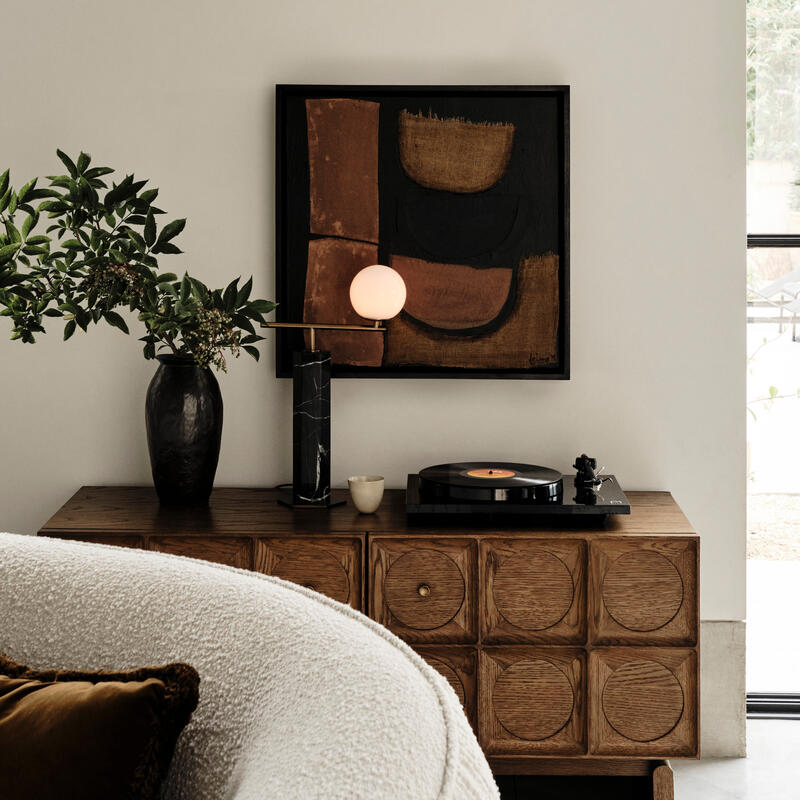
x=300, y=697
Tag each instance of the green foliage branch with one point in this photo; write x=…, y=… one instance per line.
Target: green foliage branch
x=99, y=253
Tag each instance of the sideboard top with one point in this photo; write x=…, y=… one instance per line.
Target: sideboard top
x=135, y=509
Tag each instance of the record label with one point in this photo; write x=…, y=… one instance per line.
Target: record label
x=491, y=473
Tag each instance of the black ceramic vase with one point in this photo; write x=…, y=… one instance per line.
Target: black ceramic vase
x=184, y=430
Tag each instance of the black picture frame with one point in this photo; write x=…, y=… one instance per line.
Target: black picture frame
x=288, y=223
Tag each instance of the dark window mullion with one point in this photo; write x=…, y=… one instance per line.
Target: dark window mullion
x=773, y=240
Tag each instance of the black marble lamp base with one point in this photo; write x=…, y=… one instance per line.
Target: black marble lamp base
x=311, y=449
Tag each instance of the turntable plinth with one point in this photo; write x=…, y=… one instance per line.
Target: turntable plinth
x=572, y=643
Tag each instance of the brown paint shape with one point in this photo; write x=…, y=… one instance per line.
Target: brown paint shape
x=343, y=168
x=528, y=338
x=454, y=155
x=332, y=265
x=452, y=296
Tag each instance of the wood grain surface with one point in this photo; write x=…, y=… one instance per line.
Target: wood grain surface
x=424, y=589
x=532, y=700
x=533, y=591
x=644, y=590
x=643, y=701
x=459, y=665
x=573, y=649
x=329, y=565
x=135, y=509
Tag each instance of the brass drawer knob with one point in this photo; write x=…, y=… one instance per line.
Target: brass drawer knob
x=423, y=590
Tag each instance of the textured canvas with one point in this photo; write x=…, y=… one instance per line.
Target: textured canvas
x=463, y=191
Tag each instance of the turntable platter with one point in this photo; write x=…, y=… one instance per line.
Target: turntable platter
x=494, y=482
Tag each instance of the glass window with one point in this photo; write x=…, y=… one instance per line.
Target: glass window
x=773, y=116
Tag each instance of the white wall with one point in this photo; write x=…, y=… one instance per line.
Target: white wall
x=183, y=92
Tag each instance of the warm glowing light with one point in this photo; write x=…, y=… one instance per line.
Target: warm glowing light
x=378, y=292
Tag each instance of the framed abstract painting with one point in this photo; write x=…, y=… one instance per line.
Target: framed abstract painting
x=462, y=190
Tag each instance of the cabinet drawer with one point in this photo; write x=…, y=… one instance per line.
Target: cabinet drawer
x=532, y=700
x=534, y=591
x=459, y=665
x=331, y=566
x=644, y=590
x=424, y=589
x=643, y=701
x=233, y=551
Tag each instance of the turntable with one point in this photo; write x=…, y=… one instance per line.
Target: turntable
x=481, y=487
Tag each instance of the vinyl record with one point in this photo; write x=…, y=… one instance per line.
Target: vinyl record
x=492, y=482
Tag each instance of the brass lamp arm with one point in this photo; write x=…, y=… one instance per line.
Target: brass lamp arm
x=313, y=326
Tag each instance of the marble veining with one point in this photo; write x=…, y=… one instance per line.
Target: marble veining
x=311, y=469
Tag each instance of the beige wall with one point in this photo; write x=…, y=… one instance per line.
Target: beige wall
x=183, y=91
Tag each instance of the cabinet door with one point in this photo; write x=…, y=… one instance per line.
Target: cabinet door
x=644, y=590
x=459, y=665
x=423, y=589
x=233, y=551
x=534, y=591
x=331, y=566
x=531, y=700
x=643, y=701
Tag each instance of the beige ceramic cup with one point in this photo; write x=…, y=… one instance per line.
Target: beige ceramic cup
x=366, y=491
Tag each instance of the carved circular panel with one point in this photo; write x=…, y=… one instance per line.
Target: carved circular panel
x=534, y=591
x=643, y=701
x=424, y=589
x=533, y=700
x=317, y=570
x=450, y=675
x=642, y=590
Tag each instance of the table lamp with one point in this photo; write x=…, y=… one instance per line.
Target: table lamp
x=377, y=293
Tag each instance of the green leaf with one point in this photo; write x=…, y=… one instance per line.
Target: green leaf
x=773, y=392
x=5, y=198
x=149, y=195
x=38, y=240
x=150, y=229
x=253, y=351
x=166, y=247
x=84, y=159
x=150, y=350
x=171, y=230
x=244, y=292
x=167, y=276
x=12, y=203
x=96, y=172
x=69, y=329
x=53, y=312
x=4, y=182
x=186, y=288
x=29, y=223
x=262, y=306
x=68, y=163
x=115, y=320
x=28, y=187
x=229, y=297
x=7, y=252
x=72, y=244
x=137, y=240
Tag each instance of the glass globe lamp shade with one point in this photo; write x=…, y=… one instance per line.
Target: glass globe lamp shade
x=378, y=292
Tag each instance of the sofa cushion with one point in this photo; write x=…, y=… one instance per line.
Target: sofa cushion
x=90, y=734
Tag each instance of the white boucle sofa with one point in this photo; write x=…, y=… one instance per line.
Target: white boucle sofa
x=300, y=697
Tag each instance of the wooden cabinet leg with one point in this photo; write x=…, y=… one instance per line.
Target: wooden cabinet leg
x=663, y=788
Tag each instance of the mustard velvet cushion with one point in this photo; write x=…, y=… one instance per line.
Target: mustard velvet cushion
x=90, y=735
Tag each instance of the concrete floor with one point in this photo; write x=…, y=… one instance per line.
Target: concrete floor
x=770, y=772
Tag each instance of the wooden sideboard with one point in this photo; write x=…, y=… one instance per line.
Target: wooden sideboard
x=574, y=649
